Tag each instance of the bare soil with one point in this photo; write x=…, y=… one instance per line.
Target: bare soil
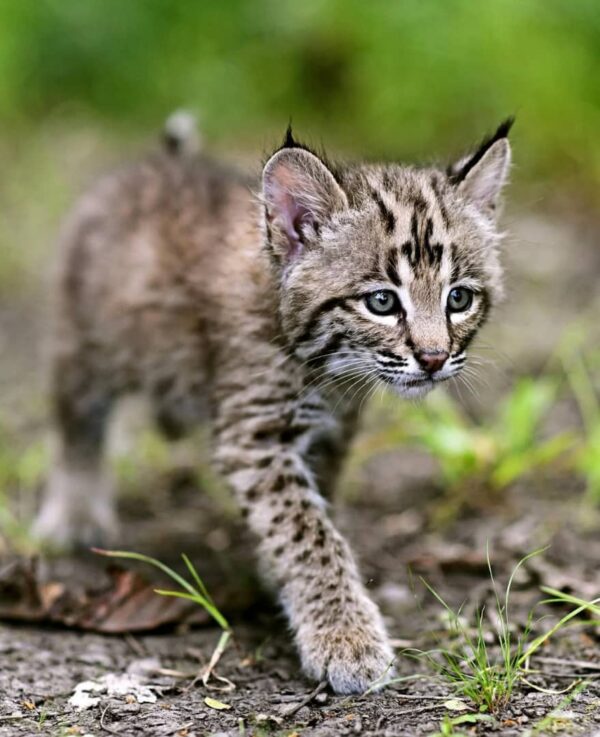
x=41, y=666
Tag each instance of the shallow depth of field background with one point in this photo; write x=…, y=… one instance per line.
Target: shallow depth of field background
x=84, y=85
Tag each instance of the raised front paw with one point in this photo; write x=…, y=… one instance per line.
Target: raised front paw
x=351, y=658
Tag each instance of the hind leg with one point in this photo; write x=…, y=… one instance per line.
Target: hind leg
x=78, y=505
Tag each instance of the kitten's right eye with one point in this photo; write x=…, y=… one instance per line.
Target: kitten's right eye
x=383, y=302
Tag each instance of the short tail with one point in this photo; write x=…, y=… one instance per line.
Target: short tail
x=180, y=134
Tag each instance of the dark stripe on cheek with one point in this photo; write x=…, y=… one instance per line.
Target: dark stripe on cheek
x=318, y=358
x=486, y=306
x=330, y=304
x=480, y=317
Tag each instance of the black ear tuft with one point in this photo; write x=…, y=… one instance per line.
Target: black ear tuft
x=457, y=175
x=503, y=129
x=288, y=140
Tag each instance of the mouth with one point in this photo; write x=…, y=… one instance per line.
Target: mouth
x=425, y=381
x=414, y=387
x=412, y=382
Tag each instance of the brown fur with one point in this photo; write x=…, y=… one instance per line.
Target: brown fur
x=178, y=281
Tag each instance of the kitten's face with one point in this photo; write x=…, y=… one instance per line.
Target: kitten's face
x=387, y=273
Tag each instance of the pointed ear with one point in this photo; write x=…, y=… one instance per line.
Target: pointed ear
x=481, y=176
x=299, y=193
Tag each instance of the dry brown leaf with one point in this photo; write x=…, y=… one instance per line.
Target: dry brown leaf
x=126, y=603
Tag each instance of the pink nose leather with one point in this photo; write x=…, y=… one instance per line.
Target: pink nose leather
x=431, y=361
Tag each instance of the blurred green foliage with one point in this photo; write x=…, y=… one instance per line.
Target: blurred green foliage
x=582, y=370
x=22, y=466
x=389, y=79
x=474, y=455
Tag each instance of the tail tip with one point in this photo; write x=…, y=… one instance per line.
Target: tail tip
x=181, y=134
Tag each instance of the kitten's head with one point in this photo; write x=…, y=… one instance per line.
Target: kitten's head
x=386, y=272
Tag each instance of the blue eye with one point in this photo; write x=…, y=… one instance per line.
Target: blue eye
x=383, y=302
x=460, y=299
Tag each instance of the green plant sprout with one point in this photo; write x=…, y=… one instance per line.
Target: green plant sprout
x=448, y=724
x=194, y=591
x=469, y=665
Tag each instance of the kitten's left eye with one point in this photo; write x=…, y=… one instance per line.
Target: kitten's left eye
x=383, y=302
x=460, y=299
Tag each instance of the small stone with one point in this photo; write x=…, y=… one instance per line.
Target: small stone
x=304, y=714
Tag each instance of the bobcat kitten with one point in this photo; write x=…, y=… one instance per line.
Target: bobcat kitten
x=273, y=317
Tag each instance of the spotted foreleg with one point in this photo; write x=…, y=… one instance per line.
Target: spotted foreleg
x=338, y=629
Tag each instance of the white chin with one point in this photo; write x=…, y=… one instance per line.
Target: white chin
x=414, y=391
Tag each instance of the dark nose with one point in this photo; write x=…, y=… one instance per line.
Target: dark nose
x=431, y=361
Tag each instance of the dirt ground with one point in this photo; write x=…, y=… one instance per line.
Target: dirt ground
x=389, y=528
x=41, y=666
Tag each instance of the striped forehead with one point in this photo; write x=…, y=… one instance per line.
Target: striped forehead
x=417, y=225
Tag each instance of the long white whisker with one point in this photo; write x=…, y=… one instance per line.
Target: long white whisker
x=348, y=365
x=358, y=384
x=340, y=378
x=368, y=396
x=326, y=369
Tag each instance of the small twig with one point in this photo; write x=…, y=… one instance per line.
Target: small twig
x=135, y=645
x=585, y=664
x=433, y=707
x=214, y=659
x=580, y=676
x=173, y=673
x=410, y=697
x=208, y=672
x=307, y=699
x=178, y=730
x=550, y=691
x=103, y=726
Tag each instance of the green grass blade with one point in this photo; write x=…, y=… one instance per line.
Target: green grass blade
x=539, y=641
x=199, y=582
x=152, y=561
x=561, y=596
x=198, y=599
x=192, y=594
x=516, y=569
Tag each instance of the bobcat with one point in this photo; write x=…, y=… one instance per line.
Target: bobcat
x=272, y=316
